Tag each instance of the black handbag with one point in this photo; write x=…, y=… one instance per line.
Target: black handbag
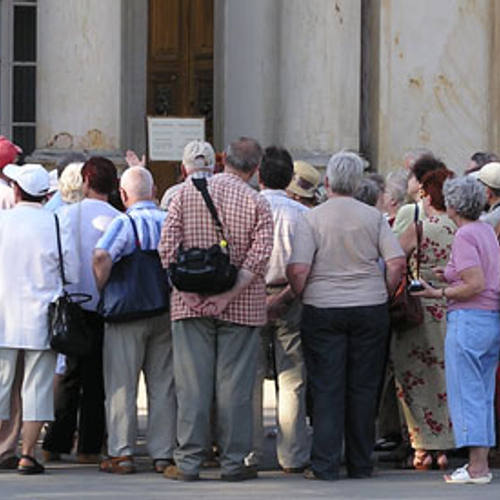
x=204, y=270
x=137, y=287
x=68, y=331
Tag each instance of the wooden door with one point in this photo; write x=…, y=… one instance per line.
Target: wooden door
x=180, y=68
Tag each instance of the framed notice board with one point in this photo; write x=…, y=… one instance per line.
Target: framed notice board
x=167, y=137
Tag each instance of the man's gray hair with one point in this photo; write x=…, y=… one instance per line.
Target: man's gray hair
x=244, y=154
x=137, y=181
x=344, y=172
x=466, y=195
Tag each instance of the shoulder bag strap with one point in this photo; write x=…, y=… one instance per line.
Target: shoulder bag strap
x=419, y=231
x=59, y=250
x=136, y=233
x=201, y=186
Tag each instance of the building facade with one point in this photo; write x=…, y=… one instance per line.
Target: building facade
x=378, y=76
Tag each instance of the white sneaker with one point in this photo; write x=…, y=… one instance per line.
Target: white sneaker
x=462, y=476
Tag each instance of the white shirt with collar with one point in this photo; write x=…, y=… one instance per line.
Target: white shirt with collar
x=285, y=215
x=30, y=276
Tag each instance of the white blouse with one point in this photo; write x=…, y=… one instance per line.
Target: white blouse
x=29, y=273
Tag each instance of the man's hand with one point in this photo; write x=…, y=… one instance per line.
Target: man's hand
x=215, y=304
x=193, y=301
x=276, y=307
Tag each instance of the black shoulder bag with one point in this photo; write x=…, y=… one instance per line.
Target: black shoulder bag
x=68, y=332
x=137, y=287
x=204, y=270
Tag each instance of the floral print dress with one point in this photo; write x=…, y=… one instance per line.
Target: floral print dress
x=418, y=354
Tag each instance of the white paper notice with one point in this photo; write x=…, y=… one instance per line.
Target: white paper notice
x=168, y=136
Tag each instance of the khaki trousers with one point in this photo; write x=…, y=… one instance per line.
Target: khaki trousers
x=129, y=348
x=292, y=442
x=10, y=430
x=214, y=361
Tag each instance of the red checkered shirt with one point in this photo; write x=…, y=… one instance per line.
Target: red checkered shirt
x=248, y=226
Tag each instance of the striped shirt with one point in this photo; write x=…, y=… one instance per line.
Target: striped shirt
x=119, y=239
x=286, y=212
x=248, y=227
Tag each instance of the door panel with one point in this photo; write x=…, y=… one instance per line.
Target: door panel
x=180, y=68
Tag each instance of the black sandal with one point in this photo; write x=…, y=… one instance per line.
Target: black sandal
x=35, y=467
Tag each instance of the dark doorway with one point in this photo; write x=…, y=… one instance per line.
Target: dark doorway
x=180, y=68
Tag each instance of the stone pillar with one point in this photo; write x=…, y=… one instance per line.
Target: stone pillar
x=246, y=61
x=288, y=72
x=320, y=50
x=79, y=76
x=433, y=87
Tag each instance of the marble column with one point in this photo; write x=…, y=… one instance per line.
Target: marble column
x=288, y=72
x=433, y=87
x=83, y=59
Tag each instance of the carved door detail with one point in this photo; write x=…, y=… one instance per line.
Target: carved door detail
x=180, y=67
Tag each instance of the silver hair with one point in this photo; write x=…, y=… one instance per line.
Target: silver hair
x=244, y=154
x=396, y=185
x=368, y=191
x=344, y=172
x=466, y=195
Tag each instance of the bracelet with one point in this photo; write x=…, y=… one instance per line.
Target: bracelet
x=443, y=293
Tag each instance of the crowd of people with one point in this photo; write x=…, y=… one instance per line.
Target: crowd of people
x=318, y=264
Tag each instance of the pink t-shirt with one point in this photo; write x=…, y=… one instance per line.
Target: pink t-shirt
x=476, y=245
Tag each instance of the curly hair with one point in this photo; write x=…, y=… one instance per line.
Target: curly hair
x=466, y=195
x=71, y=183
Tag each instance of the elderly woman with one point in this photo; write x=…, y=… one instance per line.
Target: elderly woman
x=335, y=270
x=31, y=280
x=418, y=354
x=473, y=330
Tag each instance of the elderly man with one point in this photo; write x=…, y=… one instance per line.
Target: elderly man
x=489, y=175
x=215, y=337
x=139, y=345
x=198, y=162
x=335, y=270
x=283, y=329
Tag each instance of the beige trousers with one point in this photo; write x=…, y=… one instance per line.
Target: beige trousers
x=129, y=348
x=10, y=430
x=292, y=441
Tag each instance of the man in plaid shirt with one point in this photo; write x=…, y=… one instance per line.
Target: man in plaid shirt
x=215, y=337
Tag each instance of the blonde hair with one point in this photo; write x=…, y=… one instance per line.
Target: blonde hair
x=71, y=183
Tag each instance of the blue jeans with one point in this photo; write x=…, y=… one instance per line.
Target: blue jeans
x=471, y=357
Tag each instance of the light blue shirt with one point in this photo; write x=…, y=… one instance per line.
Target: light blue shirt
x=119, y=239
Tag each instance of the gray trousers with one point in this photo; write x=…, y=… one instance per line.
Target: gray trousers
x=10, y=430
x=129, y=348
x=292, y=443
x=213, y=361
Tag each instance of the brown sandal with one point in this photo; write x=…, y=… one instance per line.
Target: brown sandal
x=118, y=465
x=422, y=460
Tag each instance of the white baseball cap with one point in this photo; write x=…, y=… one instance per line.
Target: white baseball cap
x=198, y=155
x=31, y=178
x=489, y=175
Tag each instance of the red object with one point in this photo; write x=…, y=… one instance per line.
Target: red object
x=8, y=151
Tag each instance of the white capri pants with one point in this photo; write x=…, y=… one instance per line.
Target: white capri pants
x=37, y=387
